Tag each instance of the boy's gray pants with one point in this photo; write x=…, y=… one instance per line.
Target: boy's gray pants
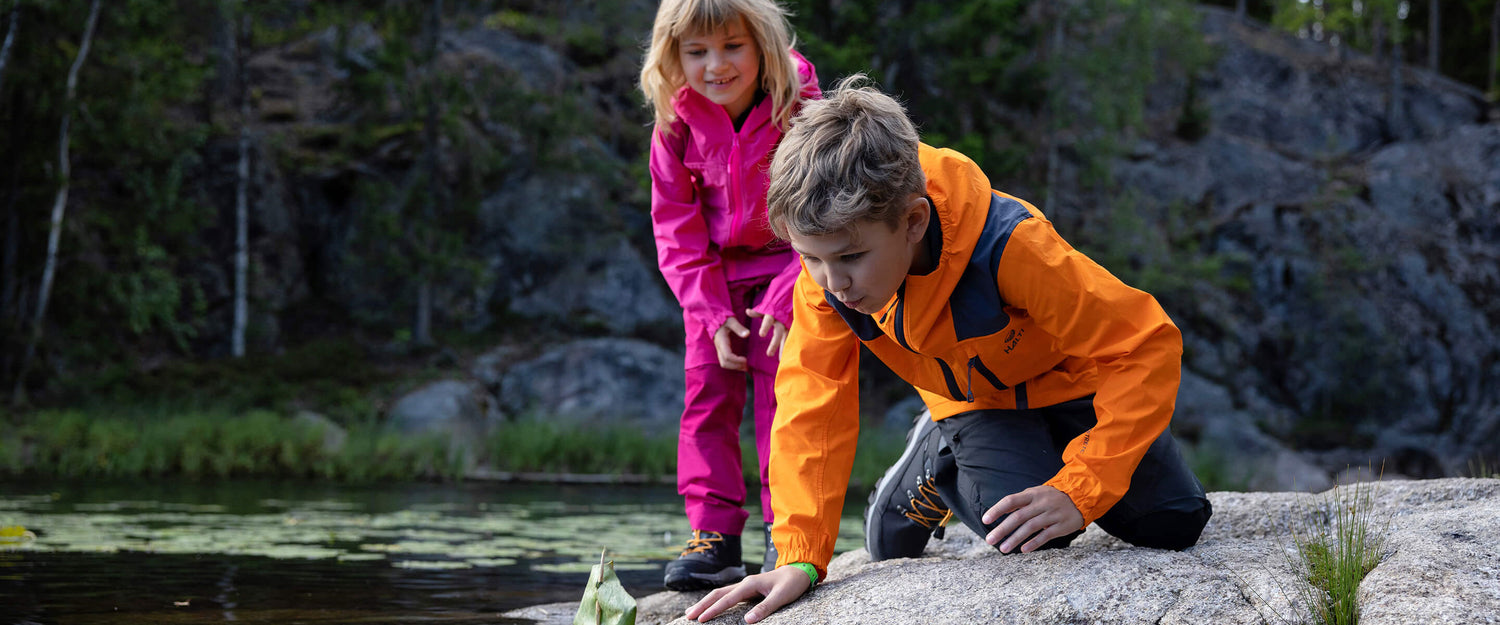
x=1000, y=452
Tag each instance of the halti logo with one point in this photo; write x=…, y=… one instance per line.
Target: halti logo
x=1013, y=339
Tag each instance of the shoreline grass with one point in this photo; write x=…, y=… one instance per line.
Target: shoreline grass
x=219, y=444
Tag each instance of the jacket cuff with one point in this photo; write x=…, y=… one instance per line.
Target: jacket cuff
x=1085, y=496
x=711, y=321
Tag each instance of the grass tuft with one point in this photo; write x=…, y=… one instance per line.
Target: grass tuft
x=1336, y=549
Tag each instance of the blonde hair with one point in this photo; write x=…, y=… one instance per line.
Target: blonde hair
x=662, y=76
x=849, y=157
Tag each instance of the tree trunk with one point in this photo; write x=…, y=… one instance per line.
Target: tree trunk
x=12, y=244
x=1434, y=34
x=11, y=310
x=1055, y=96
x=1377, y=36
x=54, y=234
x=10, y=38
x=224, y=48
x=1494, y=53
x=1239, y=9
x=436, y=200
x=422, y=324
x=1394, y=112
x=242, y=209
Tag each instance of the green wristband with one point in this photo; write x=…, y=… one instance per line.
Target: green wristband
x=812, y=572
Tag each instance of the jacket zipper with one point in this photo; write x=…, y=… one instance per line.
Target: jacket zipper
x=900, y=320
x=953, y=388
x=900, y=335
x=975, y=364
x=735, y=201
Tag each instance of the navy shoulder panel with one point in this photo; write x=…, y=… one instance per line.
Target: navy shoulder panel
x=864, y=326
x=976, y=304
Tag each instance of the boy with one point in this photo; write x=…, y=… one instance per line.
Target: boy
x=1049, y=382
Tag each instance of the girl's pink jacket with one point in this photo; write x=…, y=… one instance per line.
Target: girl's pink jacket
x=708, y=207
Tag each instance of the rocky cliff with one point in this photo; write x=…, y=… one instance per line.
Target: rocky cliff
x=1353, y=311
x=1332, y=254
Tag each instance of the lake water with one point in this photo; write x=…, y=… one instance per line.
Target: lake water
x=303, y=552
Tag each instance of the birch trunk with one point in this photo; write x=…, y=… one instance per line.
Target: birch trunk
x=54, y=234
x=10, y=38
x=242, y=208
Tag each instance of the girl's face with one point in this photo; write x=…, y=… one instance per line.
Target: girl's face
x=723, y=65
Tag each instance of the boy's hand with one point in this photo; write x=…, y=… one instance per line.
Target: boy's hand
x=727, y=358
x=1040, y=510
x=780, y=587
x=777, y=330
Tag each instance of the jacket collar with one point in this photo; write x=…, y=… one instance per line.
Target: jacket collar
x=702, y=115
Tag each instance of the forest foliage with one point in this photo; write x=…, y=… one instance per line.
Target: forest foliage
x=144, y=266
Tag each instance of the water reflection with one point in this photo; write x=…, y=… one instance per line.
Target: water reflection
x=253, y=552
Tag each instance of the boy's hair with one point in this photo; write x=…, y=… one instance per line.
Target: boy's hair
x=849, y=157
x=765, y=20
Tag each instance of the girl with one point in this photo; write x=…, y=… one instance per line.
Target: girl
x=724, y=82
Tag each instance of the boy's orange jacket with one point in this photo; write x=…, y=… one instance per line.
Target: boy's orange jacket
x=1012, y=317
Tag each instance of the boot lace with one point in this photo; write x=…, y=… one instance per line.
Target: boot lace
x=702, y=541
x=925, y=507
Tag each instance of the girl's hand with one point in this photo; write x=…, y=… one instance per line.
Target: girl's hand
x=780, y=587
x=1040, y=512
x=777, y=330
x=727, y=358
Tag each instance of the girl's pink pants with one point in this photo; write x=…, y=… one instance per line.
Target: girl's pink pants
x=709, y=467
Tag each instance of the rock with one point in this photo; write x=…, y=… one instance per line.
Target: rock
x=1227, y=441
x=1440, y=566
x=899, y=417
x=1299, y=98
x=590, y=380
x=333, y=435
x=623, y=292
x=1354, y=289
x=460, y=410
x=538, y=67
x=553, y=255
x=489, y=368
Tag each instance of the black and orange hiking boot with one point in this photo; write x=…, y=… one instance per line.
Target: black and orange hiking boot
x=905, y=508
x=710, y=560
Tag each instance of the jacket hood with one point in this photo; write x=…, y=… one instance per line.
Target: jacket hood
x=960, y=194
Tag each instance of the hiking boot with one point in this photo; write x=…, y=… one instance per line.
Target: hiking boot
x=770, y=560
x=905, y=508
x=710, y=560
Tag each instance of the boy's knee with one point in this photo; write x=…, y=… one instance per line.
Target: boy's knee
x=1169, y=529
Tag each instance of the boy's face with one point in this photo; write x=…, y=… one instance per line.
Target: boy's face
x=864, y=267
x=723, y=65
